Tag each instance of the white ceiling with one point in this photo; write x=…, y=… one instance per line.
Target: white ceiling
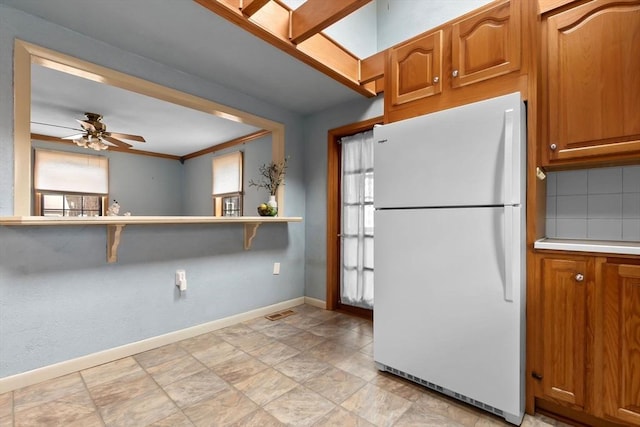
x=187, y=37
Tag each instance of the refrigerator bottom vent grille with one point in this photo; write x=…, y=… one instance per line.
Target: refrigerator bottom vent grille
x=443, y=390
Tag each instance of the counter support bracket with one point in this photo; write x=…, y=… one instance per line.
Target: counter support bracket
x=113, y=241
x=250, y=230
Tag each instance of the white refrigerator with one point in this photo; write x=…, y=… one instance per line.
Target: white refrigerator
x=450, y=252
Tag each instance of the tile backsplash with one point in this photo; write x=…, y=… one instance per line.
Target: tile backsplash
x=594, y=204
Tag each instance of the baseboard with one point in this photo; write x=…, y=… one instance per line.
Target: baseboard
x=316, y=302
x=89, y=361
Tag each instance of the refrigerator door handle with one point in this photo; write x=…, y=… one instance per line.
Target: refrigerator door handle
x=508, y=253
x=508, y=157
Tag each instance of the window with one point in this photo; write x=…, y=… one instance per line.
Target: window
x=227, y=184
x=60, y=204
x=70, y=184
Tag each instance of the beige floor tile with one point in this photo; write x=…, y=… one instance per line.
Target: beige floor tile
x=265, y=386
x=259, y=323
x=539, y=421
x=281, y=330
x=47, y=391
x=306, y=309
x=399, y=386
x=274, y=353
x=367, y=349
x=63, y=411
x=417, y=416
x=461, y=413
x=335, y=384
x=144, y=410
x=176, y=369
x=353, y=339
x=6, y=404
x=377, y=405
x=239, y=368
x=250, y=342
x=160, y=355
x=259, y=418
x=302, y=321
x=491, y=421
x=6, y=421
x=231, y=332
x=92, y=420
x=195, y=388
x=217, y=353
x=302, y=367
x=303, y=341
x=299, y=407
x=111, y=371
x=328, y=331
x=176, y=420
x=360, y=365
x=122, y=389
x=200, y=343
x=340, y=417
x=324, y=314
x=331, y=352
x=226, y=408
x=350, y=322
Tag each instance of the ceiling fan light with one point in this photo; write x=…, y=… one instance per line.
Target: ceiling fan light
x=81, y=142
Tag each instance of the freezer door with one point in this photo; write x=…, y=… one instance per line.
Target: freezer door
x=466, y=156
x=449, y=300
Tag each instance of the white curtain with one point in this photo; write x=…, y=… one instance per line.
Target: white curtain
x=356, y=287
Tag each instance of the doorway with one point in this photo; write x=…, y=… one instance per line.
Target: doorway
x=335, y=216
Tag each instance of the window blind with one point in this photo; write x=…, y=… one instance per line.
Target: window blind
x=227, y=174
x=71, y=172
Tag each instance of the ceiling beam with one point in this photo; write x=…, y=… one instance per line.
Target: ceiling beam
x=314, y=16
x=250, y=7
x=48, y=138
x=272, y=24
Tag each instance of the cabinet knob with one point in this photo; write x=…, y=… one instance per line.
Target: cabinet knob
x=455, y=73
x=436, y=79
x=553, y=147
x=579, y=277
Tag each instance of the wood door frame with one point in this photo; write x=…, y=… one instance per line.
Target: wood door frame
x=334, y=182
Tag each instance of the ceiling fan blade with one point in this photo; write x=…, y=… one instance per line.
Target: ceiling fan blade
x=116, y=142
x=126, y=136
x=74, y=136
x=86, y=125
x=56, y=126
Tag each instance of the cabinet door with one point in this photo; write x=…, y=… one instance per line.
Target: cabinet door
x=416, y=69
x=486, y=45
x=621, y=342
x=564, y=305
x=593, y=78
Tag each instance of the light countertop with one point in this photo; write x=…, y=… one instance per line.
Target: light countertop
x=599, y=246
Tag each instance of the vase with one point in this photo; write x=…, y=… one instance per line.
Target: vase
x=274, y=204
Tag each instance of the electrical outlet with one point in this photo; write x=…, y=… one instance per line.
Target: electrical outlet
x=276, y=268
x=181, y=280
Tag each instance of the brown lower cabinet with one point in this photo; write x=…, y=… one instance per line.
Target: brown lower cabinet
x=585, y=346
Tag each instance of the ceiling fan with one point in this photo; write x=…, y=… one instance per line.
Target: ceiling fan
x=94, y=134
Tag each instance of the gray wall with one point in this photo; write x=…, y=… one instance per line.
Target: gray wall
x=59, y=299
x=316, y=129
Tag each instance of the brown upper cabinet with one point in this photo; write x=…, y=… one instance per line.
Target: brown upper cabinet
x=441, y=68
x=591, y=82
x=486, y=45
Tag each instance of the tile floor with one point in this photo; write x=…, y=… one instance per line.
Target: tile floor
x=313, y=368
